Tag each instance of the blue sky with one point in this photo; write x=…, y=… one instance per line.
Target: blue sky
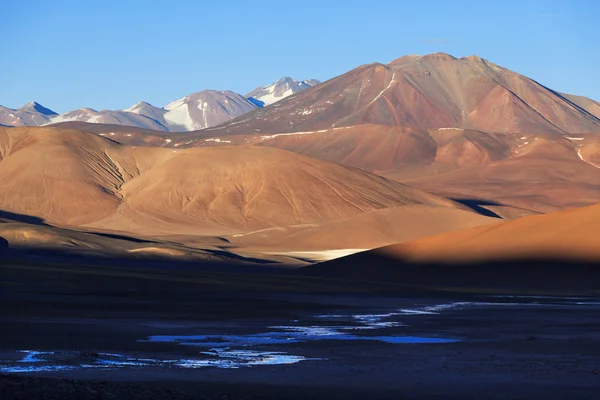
x=111, y=54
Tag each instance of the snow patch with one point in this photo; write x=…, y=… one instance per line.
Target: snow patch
x=585, y=161
x=392, y=81
x=178, y=114
x=217, y=140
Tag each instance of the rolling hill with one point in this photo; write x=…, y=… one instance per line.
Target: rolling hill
x=74, y=178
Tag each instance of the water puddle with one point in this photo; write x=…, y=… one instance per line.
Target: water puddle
x=345, y=327
x=35, y=361
x=271, y=345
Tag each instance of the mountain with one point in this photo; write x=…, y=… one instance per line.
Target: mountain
x=532, y=172
x=284, y=87
x=148, y=110
x=196, y=111
x=434, y=91
x=31, y=114
x=205, y=109
x=110, y=117
x=462, y=128
x=74, y=178
x=591, y=106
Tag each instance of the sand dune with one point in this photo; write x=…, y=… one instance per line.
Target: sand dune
x=565, y=235
x=552, y=254
x=568, y=234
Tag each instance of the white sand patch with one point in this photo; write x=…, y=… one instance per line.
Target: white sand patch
x=320, y=255
x=217, y=140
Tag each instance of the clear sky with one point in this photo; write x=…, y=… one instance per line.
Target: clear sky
x=111, y=54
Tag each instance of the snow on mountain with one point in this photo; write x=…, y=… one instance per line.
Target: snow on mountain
x=267, y=95
x=205, y=109
x=31, y=114
x=196, y=111
x=110, y=117
x=147, y=109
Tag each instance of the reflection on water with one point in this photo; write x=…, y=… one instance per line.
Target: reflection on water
x=33, y=356
x=346, y=327
x=35, y=361
x=226, y=350
x=289, y=334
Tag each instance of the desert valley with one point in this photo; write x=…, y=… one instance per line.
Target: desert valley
x=437, y=209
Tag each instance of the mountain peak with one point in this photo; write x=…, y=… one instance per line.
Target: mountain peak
x=286, y=79
x=278, y=90
x=139, y=104
x=405, y=59
x=31, y=104
x=439, y=56
x=34, y=106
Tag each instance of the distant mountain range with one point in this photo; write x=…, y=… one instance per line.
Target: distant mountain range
x=196, y=111
x=31, y=114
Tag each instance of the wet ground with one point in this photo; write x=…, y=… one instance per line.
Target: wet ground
x=519, y=347
x=114, y=333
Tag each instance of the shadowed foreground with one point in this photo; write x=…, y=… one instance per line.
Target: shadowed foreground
x=525, y=347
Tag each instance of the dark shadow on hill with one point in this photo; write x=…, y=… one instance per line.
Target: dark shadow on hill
x=537, y=274
x=3, y=245
x=237, y=257
x=477, y=205
x=211, y=260
x=121, y=237
x=28, y=219
x=256, y=102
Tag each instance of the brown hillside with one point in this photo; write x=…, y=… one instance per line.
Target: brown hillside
x=75, y=178
x=429, y=92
